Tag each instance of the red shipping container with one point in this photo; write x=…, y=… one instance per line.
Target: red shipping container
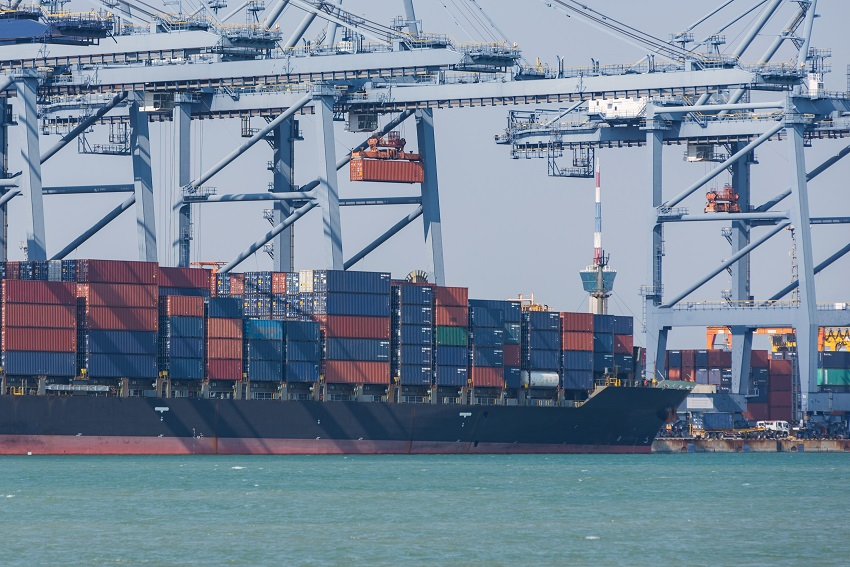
x=623, y=344
x=674, y=374
x=224, y=348
x=512, y=355
x=451, y=296
x=39, y=315
x=279, y=282
x=39, y=339
x=719, y=359
x=357, y=372
x=781, y=413
x=760, y=359
x=689, y=359
x=181, y=306
x=582, y=322
x=387, y=171
x=237, y=284
x=116, y=271
x=451, y=316
x=688, y=374
x=13, y=270
x=757, y=412
x=219, y=369
x=344, y=326
x=487, y=377
x=186, y=278
x=118, y=295
x=780, y=368
x=779, y=399
x=52, y=293
x=120, y=319
x=224, y=328
x=574, y=340
x=779, y=383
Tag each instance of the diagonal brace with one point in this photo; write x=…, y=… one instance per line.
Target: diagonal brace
x=82, y=126
x=818, y=269
x=809, y=176
x=393, y=230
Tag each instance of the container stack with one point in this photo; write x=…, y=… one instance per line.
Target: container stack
x=184, y=281
x=301, y=351
x=757, y=391
x=779, y=390
x=118, y=316
x=263, y=350
x=577, y=353
x=353, y=309
x=834, y=370
x=284, y=296
x=541, y=349
x=228, y=284
x=451, y=350
x=223, y=338
x=257, y=295
x=39, y=320
x=181, y=336
x=486, y=346
x=623, y=327
x=512, y=336
x=412, y=334
x=603, y=345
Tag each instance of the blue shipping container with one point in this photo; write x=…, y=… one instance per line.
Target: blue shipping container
x=625, y=362
x=577, y=360
x=412, y=375
x=302, y=371
x=452, y=356
x=300, y=351
x=484, y=337
x=512, y=377
x=674, y=358
x=224, y=307
x=513, y=333
x=184, y=368
x=544, y=340
x=623, y=325
x=578, y=380
x=121, y=366
x=416, y=335
x=543, y=360
x=357, y=349
x=603, y=342
x=262, y=330
x=351, y=281
x=355, y=304
x=415, y=315
x=29, y=363
x=182, y=347
x=511, y=310
x=262, y=350
x=301, y=331
x=417, y=354
x=264, y=370
x=258, y=282
x=543, y=320
x=602, y=361
x=124, y=342
x=603, y=323
x=181, y=327
x=416, y=295
x=484, y=317
x=488, y=357
x=184, y=291
x=452, y=376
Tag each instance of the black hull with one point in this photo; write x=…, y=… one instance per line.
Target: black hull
x=616, y=420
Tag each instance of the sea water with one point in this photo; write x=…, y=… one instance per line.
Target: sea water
x=683, y=509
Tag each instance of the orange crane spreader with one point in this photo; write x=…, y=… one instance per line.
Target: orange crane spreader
x=722, y=200
x=386, y=161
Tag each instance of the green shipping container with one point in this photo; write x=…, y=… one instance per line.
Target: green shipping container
x=833, y=377
x=451, y=336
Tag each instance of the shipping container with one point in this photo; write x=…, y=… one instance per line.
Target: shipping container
x=487, y=337
x=674, y=374
x=224, y=328
x=513, y=333
x=603, y=342
x=416, y=355
x=603, y=324
x=719, y=359
x=451, y=296
x=415, y=314
x=237, y=284
x=717, y=421
x=224, y=308
x=452, y=356
x=422, y=295
x=356, y=304
x=301, y=371
x=357, y=349
x=538, y=379
x=833, y=359
x=452, y=376
x=623, y=344
x=118, y=342
x=183, y=368
x=622, y=325
x=280, y=281
x=263, y=350
x=258, y=282
x=119, y=295
x=577, y=322
x=183, y=292
x=701, y=359
x=302, y=351
x=416, y=335
x=346, y=326
x=451, y=336
x=513, y=377
x=451, y=316
x=544, y=339
x=702, y=376
x=181, y=306
x=543, y=360
x=779, y=383
x=262, y=329
x=511, y=309
x=224, y=349
x=116, y=271
x=184, y=277
x=301, y=331
x=578, y=380
x=415, y=375
x=43, y=292
x=264, y=370
x=119, y=318
x=574, y=340
x=674, y=359
x=577, y=360
x=833, y=377
x=714, y=376
x=386, y=171
x=513, y=355
x=602, y=362
x=121, y=366
x=339, y=281
x=487, y=357
x=182, y=347
x=224, y=369
x=780, y=368
x=182, y=326
x=688, y=359
x=757, y=412
x=35, y=363
x=781, y=413
x=39, y=339
x=487, y=377
x=481, y=317
x=543, y=320
x=357, y=372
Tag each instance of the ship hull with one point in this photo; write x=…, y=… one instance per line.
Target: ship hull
x=616, y=420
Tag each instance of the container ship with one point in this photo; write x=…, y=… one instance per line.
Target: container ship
x=120, y=357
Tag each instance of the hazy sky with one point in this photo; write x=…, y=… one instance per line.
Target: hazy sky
x=507, y=227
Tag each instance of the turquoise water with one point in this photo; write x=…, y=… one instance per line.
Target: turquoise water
x=694, y=509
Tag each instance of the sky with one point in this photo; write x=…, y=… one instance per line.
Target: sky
x=507, y=227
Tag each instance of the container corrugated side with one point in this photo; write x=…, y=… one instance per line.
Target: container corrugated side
x=197, y=278
x=452, y=376
x=224, y=328
x=224, y=369
x=116, y=342
x=451, y=316
x=262, y=329
x=346, y=326
x=39, y=339
x=44, y=292
x=224, y=348
x=121, y=366
x=416, y=335
x=182, y=306
x=386, y=171
x=357, y=372
x=30, y=363
x=451, y=296
x=119, y=295
x=263, y=350
x=301, y=371
x=415, y=375
x=577, y=322
x=357, y=349
x=116, y=271
x=39, y=315
x=120, y=318
x=578, y=380
x=573, y=340
x=182, y=327
x=487, y=377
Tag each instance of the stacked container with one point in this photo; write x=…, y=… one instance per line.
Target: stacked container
x=834, y=370
x=223, y=338
x=603, y=344
x=623, y=330
x=512, y=336
x=284, y=294
x=181, y=336
x=486, y=346
x=39, y=321
x=257, y=295
x=118, y=315
x=263, y=350
x=412, y=334
x=184, y=281
x=541, y=349
x=353, y=309
x=301, y=351
x=451, y=350
x=577, y=353
x=779, y=390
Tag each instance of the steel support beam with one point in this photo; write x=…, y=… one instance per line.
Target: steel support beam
x=803, y=53
x=709, y=108
x=300, y=212
x=83, y=125
x=811, y=175
x=431, y=219
x=327, y=192
x=248, y=197
x=656, y=334
x=87, y=189
x=143, y=182
x=330, y=37
x=725, y=264
x=757, y=27
x=818, y=269
x=283, y=183
x=260, y=135
x=274, y=14
x=8, y=185
x=742, y=337
x=806, y=321
x=392, y=231
x=8, y=196
x=743, y=152
x=300, y=30
x=108, y=218
x=181, y=243
x=410, y=16
x=31, y=178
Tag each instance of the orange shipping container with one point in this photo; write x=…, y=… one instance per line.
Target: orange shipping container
x=39, y=339
x=779, y=399
x=779, y=383
x=121, y=319
x=356, y=372
x=757, y=412
x=386, y=171
x=182, y=306
x=224, y=349
x=451, y=316
x=488, y=377
x=574, y=340
x=780, y=368
x=623, y=344
x=224, y=328
x=119, y=295
x=237, y=284
x=279, y=282
x=674, y=374
x=345, y=326
x=781, y=413
x=577, y=322
x=40, y=315
x=451, y=296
